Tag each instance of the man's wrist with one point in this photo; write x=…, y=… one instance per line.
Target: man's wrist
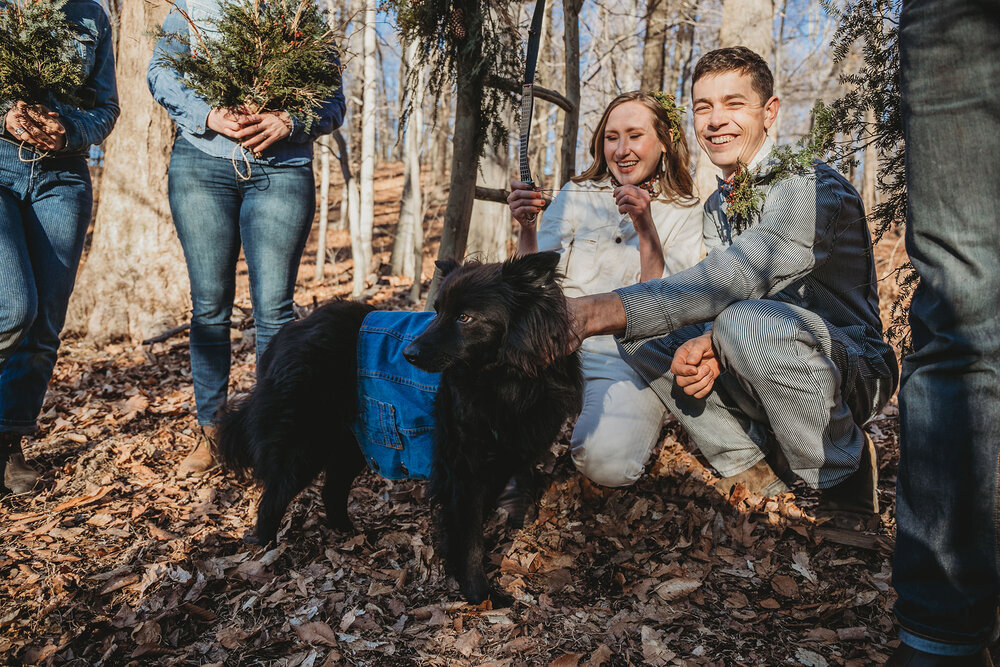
x=602, y=314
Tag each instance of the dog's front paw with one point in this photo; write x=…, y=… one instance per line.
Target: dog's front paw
x=500, y=599
x=476, y=589
x=251, y=537
x=341, y=524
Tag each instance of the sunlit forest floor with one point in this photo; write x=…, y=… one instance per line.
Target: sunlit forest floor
x=115, y=561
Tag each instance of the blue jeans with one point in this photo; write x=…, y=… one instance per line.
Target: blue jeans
x=214, y=212
x=45, y=208
x=946, y=562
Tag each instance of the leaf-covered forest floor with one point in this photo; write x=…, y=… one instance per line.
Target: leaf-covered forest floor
x=115, y=561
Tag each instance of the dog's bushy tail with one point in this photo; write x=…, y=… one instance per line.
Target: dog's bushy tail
x=306, y=387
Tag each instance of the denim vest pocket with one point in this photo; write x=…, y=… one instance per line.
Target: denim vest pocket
x=395, y=422
x=380, y=423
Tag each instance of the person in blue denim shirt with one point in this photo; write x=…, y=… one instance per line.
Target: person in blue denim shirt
x=45, y=208
x=234, y=178
x=946, y=567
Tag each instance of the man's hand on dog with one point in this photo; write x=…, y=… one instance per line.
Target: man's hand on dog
x=695, y=366
x=594, y=315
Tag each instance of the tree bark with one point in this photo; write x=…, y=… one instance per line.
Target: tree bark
x=680, y=69
x=405, y=259
x=323, y=145
x=134, y=281
x=571, y=60
x=361, y=245
x=869, y=193
x=464, y=159
x=490, y=227
x=655, y=47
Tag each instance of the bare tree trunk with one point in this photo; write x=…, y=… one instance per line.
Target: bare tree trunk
x=490, y=228
x=869, y=194
x=687, y=16
x=546, y=76
x=654, y=50
x=361, y=246
x=134, y=281
x=748, y=23
x=571, y=59
x=464, y=159
x=324, y=205
x=350, y=206
x=405, y=259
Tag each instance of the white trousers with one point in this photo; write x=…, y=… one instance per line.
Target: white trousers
x=619, y=423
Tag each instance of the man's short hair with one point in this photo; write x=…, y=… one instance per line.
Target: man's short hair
x=741, y=59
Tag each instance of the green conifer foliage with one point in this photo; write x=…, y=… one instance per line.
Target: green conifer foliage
x=874, y=88
x=478, y=34
x=260, y=56
x=39, y=60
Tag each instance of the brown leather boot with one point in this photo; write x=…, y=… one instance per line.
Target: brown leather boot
x=18, y=476
x=853, y=504
x=202, y=458
x=758, y=478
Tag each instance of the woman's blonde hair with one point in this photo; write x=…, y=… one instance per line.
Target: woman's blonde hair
x=674, y=177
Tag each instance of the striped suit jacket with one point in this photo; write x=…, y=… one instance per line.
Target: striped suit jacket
x=809, y=246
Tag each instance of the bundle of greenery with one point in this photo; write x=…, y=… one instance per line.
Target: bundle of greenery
x=39, y=61
x=261, y=55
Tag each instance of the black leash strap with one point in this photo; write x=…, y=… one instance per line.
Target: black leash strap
x=527, y=90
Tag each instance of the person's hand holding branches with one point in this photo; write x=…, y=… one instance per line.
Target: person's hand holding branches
x=260, y=131
x=36, y=125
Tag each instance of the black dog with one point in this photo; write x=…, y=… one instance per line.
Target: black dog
x=499, y=339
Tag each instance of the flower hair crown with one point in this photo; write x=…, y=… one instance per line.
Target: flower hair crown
x=666, y=100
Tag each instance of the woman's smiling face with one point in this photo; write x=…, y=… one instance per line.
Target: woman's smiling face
x=631, y=147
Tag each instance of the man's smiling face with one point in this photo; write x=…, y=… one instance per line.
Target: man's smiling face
x=730, y=118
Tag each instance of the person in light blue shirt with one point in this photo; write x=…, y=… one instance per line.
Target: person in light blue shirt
x=45, y=207
x=235, y=179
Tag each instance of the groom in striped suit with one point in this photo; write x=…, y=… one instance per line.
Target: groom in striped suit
x=769, y=351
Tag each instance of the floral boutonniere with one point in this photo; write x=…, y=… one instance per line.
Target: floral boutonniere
x=741, y=191
x=743, y=199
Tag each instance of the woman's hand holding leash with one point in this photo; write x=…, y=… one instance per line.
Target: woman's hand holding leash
x=695, y=366
x=525, y=202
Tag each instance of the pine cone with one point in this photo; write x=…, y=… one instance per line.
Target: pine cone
x=456, y=24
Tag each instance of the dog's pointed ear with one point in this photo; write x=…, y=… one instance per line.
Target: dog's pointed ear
x=536, y=269
x=446, y=266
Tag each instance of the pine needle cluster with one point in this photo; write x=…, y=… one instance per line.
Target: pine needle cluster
x=869, y=114
x=463, y=42
x=744, y=199
x=259, y=56
x=39, y=61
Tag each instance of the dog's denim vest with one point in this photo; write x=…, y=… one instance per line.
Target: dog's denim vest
x=395, y=421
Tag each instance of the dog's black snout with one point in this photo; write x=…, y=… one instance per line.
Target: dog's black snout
x=412, y=353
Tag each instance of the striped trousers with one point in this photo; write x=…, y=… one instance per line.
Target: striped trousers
x=787, y=372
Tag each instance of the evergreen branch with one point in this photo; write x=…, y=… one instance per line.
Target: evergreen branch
x=39, y=60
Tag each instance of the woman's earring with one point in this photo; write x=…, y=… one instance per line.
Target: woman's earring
x=663, y=162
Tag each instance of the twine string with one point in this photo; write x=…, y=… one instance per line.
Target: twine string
x=40, y=155
x=246, y=161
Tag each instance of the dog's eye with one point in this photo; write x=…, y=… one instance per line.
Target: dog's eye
x=463, y=318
